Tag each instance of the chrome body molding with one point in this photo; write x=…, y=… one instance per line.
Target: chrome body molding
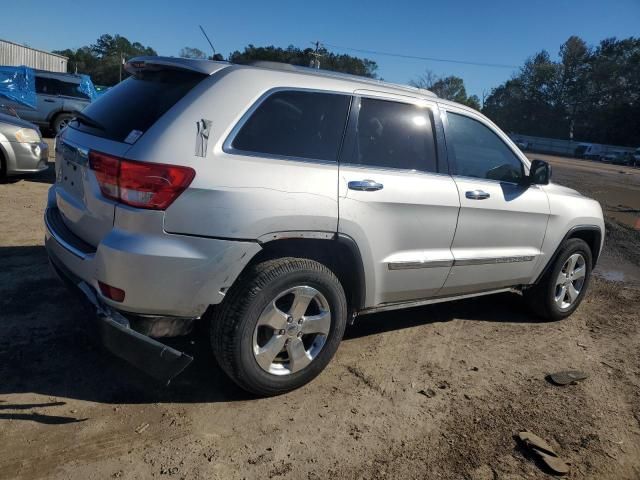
x=449, y=263
x=419, y=264
x=487, y=261
x=430, y=301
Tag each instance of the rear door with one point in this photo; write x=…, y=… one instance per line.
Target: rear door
x=112, y=124
x=48, y=101
x=502, y=221
x=394, y=201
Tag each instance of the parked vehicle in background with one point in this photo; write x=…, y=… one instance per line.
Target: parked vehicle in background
x=522, y=144
x=593, y=152
x=620, y=158
x=614, y=156
x=279, y=202
x=636, y=157
x=59, y=97
x=581, y=150
x=22, y=149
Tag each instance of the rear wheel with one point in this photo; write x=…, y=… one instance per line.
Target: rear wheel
x=3, y=168
x=280, y=325
x=60, y=122
x=563, y=287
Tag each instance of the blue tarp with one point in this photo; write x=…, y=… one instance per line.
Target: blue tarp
x=86, y=87
x=18, y=84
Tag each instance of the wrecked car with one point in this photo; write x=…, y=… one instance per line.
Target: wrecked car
x=276, y=204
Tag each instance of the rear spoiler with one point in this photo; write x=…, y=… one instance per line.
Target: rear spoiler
x=206, y=67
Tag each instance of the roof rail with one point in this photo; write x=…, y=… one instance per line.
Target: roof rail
x=287, y=67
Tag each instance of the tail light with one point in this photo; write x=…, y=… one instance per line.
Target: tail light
x=152, y=186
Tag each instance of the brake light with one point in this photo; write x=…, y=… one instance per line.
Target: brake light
x=139, y=184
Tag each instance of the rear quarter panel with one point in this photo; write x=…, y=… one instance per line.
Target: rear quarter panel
x=236, y=195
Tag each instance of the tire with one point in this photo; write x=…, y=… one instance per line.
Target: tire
x=269, y=291
x=3, y=168
x=60, y=121
x=544, y=298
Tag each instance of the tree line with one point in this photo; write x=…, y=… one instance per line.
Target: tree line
x=589, y=93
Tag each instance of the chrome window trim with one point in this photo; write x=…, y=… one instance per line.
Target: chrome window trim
x=393, y=170
x=493, y=182
x=227, y=145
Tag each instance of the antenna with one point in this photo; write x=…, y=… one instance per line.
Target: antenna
x=315, y=63
x=207, y=37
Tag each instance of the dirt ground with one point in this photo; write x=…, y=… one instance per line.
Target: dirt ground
x=69, y=410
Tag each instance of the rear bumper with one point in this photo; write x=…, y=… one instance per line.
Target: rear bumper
x=162, y=274
x=156, y=359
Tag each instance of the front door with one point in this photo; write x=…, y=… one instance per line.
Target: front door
x=393, y=201
x=502, y=220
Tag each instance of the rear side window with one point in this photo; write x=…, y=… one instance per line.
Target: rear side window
x=53, y=86
x=137, y=103
x=393, y=135
x=296, y=124
x=476, y=151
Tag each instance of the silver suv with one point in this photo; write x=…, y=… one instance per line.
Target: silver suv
x=275, y=204
x=59, y=96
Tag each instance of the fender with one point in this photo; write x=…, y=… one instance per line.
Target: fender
x=358, y=273
x=572, y=231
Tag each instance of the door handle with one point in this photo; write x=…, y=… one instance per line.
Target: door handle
x=477, y=195
x=365, y=185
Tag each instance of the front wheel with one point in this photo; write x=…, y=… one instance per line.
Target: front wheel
x=280, y=325
x=563, y=287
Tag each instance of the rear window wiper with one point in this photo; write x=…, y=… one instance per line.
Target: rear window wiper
x=90, y=122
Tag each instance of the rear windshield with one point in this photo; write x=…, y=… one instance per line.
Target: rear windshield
x=136, y=104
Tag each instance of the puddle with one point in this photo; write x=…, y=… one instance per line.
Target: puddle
x=616, y=271
x=611, y=275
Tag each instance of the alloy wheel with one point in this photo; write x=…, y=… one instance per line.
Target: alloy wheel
x=291, y=330
x=570, y=281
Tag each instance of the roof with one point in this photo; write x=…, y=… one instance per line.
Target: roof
x=209, y=67
x=35, y=49
x=342, y=76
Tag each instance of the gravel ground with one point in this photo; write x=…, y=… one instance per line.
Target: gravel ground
x=68, y=410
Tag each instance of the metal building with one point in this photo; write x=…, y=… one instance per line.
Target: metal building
x=13, y=54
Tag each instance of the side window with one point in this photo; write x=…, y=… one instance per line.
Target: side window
x=71, y=89
x=393, y=135
x=296, y=124
x=476, y=151
x=48, y=86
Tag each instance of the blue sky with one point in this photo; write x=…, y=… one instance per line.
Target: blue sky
x=492, y=32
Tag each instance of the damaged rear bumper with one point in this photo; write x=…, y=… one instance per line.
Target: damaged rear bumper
x=151, y=356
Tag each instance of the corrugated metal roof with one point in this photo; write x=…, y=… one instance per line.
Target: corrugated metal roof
x=14, y=54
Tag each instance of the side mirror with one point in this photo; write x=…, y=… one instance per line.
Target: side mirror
x=539, y=173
